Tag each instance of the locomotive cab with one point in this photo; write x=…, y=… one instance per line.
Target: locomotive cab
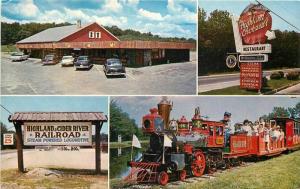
x=153, y=122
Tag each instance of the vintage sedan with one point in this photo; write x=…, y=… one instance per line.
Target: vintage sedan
x=50, y=59
x=113, y=66
x=18, y=56
x=67, y=61
x=83, y=62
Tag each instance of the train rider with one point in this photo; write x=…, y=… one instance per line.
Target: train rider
x=281, y=136
x=255, y=128
x=276, y=135
x=229, y=128
x=267, y=136
x=247, y=127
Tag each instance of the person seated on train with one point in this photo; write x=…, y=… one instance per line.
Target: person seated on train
x=281, y=134
x=276, y=135
x=246, y=128
x=261, y=128
x=267, y=136
x=255, y=128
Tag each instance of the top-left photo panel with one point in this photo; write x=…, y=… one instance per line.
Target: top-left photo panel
x=98, y=47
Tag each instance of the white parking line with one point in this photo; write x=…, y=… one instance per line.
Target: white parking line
x=97, y=68
x=129, y=75
x=30, y=86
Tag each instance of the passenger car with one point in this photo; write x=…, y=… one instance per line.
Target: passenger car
x=18, y=56
x=83, y=62
x=50, y=59
x=67, y=61
x=113, y=66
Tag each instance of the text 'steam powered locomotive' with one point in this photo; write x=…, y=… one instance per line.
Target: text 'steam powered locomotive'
x=200, y=146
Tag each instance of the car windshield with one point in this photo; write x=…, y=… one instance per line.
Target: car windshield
x=83, y=58
x=49, y=57
x=17, y=54
x=67, y=57
x=113, y=62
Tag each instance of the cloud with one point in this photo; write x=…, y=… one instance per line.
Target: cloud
x=150, y=15
x=25, y=8
x=112, y=5
x=180, y=13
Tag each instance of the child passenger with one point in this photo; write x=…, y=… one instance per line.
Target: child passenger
x=267, y=136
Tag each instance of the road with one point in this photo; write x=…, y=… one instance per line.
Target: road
x=84, y=159
x=30, y=78
x=213, y=82
x=294, y=90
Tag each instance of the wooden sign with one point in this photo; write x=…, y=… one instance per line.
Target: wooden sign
x=254, y=22
x=58, y=133
x=8, y=139
x=251, y=75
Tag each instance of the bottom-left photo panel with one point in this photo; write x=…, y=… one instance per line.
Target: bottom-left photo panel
x=54, y=142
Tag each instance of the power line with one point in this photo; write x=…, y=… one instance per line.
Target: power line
x=9, y=113
x=6, y=109
x=278, y=15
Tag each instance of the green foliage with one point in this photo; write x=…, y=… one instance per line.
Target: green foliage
x=284, y=112
x=122, y=124
x=14, y=32
x=281, y=74
x=215, y=40
x=293, y=75
x=275, y=75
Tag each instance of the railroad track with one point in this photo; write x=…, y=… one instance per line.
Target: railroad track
x=189, y=180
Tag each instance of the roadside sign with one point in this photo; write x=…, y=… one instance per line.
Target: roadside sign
x=231, y=61
x=8, y=139
x=251, y=75
x=253, y=58
x=58, y=133
x=119, y=139
x=260, y=48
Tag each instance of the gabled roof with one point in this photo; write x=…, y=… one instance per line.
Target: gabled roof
x=58, y=116
x=57, y=33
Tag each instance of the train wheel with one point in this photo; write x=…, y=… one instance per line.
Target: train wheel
x=182, y=175
x=198, y=165
x=163, y=178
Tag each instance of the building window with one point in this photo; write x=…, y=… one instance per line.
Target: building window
x=91, y=34
x=98, y=35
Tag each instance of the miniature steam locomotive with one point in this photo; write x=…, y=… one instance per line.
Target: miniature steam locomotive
x=200, y=146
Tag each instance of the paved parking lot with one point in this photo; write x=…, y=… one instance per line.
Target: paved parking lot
x=30, y=77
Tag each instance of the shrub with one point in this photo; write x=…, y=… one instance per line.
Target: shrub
x=275, y=75
x=281, y=74
x=293, y=75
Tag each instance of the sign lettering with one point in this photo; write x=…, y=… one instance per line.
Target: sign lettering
x=8, y=139
x=251, y=75
x=58, y=133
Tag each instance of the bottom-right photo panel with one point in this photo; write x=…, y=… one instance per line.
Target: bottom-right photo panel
x=204, y=142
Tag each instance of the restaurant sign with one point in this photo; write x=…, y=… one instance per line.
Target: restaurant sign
x=58, y=133
x=254, y=23
x=251, y=75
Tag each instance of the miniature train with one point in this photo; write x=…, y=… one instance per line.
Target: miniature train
x=200, y=146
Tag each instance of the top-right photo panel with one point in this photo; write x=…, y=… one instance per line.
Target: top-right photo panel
x=248, y=47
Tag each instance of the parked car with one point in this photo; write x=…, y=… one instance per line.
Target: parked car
x=50, y=59
x=67, y=61
x=18, y=56
x=83, y=62
x=114, y=66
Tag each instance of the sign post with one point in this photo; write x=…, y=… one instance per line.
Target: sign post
x=251, y=30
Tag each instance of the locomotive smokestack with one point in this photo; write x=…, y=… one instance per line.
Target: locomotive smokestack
x=164, y=109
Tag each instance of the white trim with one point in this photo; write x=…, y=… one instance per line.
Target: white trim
x=91, y=34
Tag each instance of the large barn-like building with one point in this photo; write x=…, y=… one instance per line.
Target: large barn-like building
x=99, y=44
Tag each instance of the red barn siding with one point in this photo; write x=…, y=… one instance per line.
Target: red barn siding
x=83, y=35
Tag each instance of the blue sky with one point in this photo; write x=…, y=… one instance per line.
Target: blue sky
x=168, y=18
x=212, y=106
x=289, y=10
x=53, y=103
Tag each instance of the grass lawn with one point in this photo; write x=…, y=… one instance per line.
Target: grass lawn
x=125, y=144
x=235, y=90
x=70, y=179
x=277, y=173
x=8, y=48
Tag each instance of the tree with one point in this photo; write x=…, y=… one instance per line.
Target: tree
x=122, y=124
